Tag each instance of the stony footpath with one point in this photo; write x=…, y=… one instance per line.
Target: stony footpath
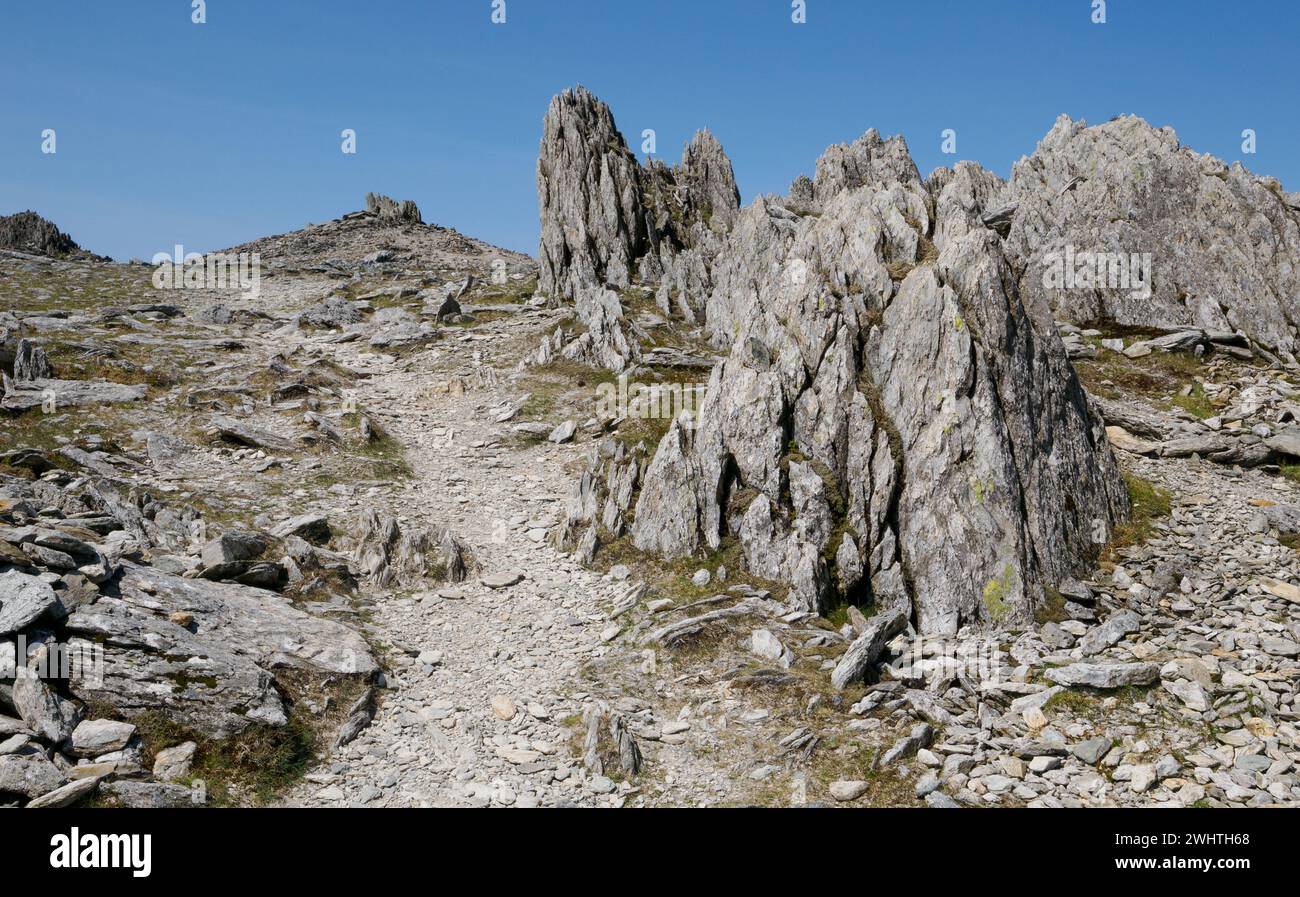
x=485, y=673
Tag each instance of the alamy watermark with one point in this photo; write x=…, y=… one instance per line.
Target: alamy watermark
x=978, y=659
x=214, y=271
x=75, y=662
x=1070, y=269
x=657, y=401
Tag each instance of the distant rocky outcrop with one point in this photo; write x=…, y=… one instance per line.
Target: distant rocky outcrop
x=891, y=425
x=29, y=232
x=606, y=219
x=1223, y=243
x=388, y=208
x=386, y=236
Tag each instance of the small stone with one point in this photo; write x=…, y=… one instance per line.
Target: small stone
x=1143, y=777
x=600, y=785
x=504, y=707
x=1034, y=718
x=762, y=643
x=501, y=580
x=1044, y=764
x=564, y=432
x=940, y=801
x=173, y=764
x=1092, y=750
x=847, y=790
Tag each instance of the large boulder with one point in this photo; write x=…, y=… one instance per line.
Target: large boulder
x=1222, y=244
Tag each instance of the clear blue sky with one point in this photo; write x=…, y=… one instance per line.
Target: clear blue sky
x=209, y=135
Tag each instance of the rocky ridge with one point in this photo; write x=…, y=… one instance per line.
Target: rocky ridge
x=1222, y=244
x=882, y=386
x=29, y=232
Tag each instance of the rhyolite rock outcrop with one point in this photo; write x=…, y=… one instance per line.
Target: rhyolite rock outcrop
x=390, y=209
x=890, y=423
x=29, y=232
x=1223, y=243
x=607, y=219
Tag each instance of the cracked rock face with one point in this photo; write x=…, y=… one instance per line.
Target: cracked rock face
x=216, y=674
x=887, y=401
x=606, y=219
x=1224, y=243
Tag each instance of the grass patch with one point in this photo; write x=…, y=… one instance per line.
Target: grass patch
x=1150, y=503
x=386, y=455
x=1075, y=702
x=1195, y=403
x=1160, y=375
x=252, y=767
x=257, y=765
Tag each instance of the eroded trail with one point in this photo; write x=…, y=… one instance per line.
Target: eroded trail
x=484, y=686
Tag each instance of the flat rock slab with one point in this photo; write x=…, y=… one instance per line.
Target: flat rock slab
x=245, y=434
x=314, y=528
x=69, y=393
x=66, y=795
x=1284, y=590
x=1105, y=675
x=152, y=795
x=1123, y=439
x=501, y=580
x=218, y=678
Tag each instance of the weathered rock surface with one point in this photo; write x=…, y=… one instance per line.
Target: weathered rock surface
x=218, y=674
x=885, y=382
x=388, y=208
x=95, y=737
x=23, y=599
x=29, y=774
x=31, y=363
x=605, y=217
x=28, y=394
x=866, y=648
x=390, y=552
x=1105, y=675
x=1224, y=243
